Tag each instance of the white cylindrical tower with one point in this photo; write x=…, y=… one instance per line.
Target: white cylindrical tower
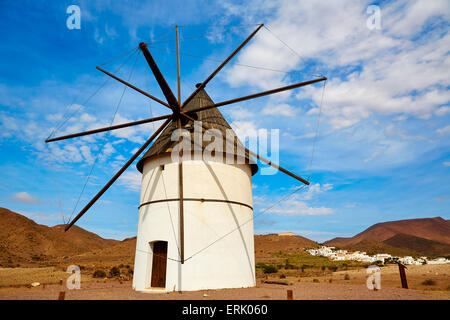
x=218, y=219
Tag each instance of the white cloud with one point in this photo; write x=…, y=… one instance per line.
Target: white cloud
x=240, y=113
x=25, y=197
x=295, y=207
x=443, y=130
x=371, y=72
x=442, y=111
x=281, y=109
x=315, y=189
x=131, y=180
x=244, y=129
x=446, y=163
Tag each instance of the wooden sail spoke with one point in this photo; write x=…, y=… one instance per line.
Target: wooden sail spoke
x=257, y=95
x=170, y=97
x=212, y=75
x=118, y=174
x=135, y=88
x=119, y=126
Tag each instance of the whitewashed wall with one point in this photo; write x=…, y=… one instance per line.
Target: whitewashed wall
x=228, y=263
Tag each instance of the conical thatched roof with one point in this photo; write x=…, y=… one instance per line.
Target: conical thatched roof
x=212, y=118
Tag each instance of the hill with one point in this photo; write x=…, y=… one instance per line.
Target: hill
x=267, y=244
x=428, y=236
x=419, y=245
x=22, y=240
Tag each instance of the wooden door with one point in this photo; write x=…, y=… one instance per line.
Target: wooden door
x=159, y=264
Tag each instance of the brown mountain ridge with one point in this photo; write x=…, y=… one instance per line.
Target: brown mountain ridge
x=427, y=236
x=22, y=240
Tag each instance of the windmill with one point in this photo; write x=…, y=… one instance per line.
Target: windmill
x=186, y=206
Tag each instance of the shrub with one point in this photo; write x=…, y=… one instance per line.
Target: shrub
x=332, y=268
x=114, y=272
x=269, y=269
x=282, y=276
x=322, y=268
x=316, y=280
x=429, y=282
x=346, y=277
x=99, y=274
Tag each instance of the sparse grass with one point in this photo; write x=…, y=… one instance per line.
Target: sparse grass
x=304, y=261
x=25, y=276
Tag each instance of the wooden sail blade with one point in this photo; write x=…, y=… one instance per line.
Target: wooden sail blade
x=270, y=163
x=119, y=126
x=170, y=97
x=133, y=87
x=118, y=174
x=257, y=95
x=212, y=75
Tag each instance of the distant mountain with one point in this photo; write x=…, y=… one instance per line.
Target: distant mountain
x=22, y=240
x=121, y=252
x=417, y=244
x=265, y=245
x=428, y=236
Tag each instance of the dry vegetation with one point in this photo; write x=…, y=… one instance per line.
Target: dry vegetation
x=41, y=254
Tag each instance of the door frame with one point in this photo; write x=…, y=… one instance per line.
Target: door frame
x=158, y=264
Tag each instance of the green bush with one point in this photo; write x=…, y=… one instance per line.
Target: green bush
x=269, y=269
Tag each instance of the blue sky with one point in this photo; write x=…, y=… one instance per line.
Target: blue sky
x=383, y=147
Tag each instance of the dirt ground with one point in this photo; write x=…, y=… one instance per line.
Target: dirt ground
x=263, y=291
x=390, y=277
x=317, y=288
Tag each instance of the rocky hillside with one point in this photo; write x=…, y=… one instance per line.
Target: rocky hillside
x=428, y=236
x=23, y=240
